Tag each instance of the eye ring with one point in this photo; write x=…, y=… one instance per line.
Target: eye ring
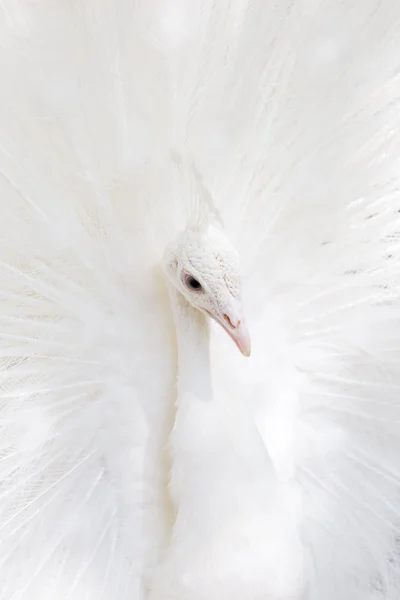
x=192, y=283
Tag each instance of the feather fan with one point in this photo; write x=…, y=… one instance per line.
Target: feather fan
x=122, y=123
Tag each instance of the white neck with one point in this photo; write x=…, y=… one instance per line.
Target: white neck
x=228, y=507
x=193, y=339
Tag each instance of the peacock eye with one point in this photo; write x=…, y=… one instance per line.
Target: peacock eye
x=192, y=283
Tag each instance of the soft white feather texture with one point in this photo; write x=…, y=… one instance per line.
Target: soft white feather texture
x=289, y=114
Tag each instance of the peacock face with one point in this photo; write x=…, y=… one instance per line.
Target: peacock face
x=204, y=267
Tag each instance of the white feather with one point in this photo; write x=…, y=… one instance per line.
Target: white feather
x=285, y=118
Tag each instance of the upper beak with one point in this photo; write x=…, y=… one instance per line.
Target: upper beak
x=235, y=326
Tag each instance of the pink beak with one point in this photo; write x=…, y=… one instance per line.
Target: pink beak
x=236, y=328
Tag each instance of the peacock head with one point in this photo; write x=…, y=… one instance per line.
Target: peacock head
x=204, y=267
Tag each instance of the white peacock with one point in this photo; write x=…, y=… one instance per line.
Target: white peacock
x=174, y=174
